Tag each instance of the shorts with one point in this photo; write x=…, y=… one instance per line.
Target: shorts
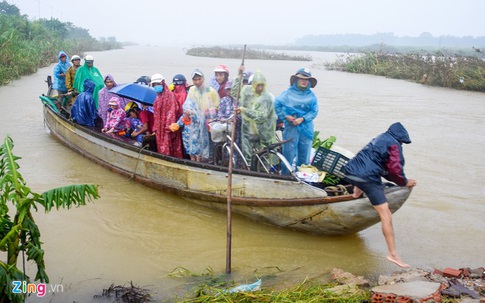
x=374, y=191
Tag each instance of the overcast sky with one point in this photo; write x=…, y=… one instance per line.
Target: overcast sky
x=203, y=22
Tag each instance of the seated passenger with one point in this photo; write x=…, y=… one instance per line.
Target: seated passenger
x=104, y=96
x=147, y=119
x=115, y=117
x=84, y=111
x=133, y=122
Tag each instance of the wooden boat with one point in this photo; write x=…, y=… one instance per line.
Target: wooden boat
x=282, y=201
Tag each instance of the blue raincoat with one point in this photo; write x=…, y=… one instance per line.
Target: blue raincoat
x=84, y=111
x=297, y=103
x=382, y=157
x=59, y=82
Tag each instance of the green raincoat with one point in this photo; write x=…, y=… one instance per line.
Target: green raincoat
x=84, y=72
x=258, y=117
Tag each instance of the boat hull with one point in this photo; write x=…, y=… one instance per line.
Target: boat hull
x=277, y=200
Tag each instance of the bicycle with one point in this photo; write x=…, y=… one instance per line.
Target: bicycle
x=266, y=159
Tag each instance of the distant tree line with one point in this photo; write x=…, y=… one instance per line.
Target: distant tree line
x=424, y=40
x=27, y=45
x=236, y=53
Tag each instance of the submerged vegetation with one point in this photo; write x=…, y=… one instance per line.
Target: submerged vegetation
x=438, y=69
x=27, y=45
x=235, y=53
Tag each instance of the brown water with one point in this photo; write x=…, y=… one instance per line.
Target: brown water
x=134, y=233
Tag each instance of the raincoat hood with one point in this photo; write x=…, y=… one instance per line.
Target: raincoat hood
x=258, y=79
x=59, y=57
x=398, y=131
x=89, y=86
x=109, y=77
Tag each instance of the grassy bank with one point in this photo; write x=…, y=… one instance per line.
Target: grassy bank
x=28, y=45
x=236, y=53
x=307, y=291
x=438, y=69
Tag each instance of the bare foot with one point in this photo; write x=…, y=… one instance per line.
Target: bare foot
x=357, y=192
x=397, y=260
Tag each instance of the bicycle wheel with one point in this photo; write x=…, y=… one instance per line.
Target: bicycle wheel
x=220, y=154
x=269, y=162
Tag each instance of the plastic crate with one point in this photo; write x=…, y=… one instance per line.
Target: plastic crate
x=330, y=161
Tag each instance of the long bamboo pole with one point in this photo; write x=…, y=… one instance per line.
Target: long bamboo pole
x=229, y=173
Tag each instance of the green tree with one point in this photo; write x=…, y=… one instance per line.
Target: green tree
x=21, y=234
x=9, y=9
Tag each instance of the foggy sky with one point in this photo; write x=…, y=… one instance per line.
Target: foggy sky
x=220, y=22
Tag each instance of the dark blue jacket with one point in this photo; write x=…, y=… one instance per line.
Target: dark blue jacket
x=84, y=110
x=382, y=157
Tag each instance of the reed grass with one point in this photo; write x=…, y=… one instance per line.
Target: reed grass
x=307, y=291
x=438, y=69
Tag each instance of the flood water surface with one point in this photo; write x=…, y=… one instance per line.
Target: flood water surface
x=135, y=233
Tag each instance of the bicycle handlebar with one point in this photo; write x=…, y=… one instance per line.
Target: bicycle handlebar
x=272, y=146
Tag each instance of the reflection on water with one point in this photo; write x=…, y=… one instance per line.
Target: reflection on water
x=134, y=233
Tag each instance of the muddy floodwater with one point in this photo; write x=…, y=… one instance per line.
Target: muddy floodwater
x=135, y=233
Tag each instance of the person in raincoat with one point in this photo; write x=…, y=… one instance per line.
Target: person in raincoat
x=104, y=97
x=165, y=113
x=71, y=73
x=115, y=117
x=297, y=107
x=88, y=71
x=133, y=122
x=179, y=88
x=382, y=157
x=207, y=101
x=193, y=132
x=219, y=80
x=84, y=111
x=258, y=127
x=60, y=71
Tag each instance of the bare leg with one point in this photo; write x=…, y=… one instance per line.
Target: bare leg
x=388, y=232
x=357, y=192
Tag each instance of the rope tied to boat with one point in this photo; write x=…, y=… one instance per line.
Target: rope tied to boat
x=137, y=161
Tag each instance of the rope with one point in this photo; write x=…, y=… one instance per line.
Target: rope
x=137, y=161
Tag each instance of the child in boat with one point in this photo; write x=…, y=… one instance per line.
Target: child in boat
x=133, y=122
x=115, y=118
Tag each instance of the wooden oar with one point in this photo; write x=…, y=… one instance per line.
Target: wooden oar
x=229, y=173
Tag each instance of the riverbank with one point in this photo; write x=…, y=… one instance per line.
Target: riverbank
x=450, y=285
x=26, y=46
x=410, y=285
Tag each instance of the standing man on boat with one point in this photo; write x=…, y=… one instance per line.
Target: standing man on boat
x=89, y=71
x=258, y=127
x=165, y=112
x=84, y=111
x=382, y=157
x=60, y=71
x=207, y=101
x=297, y=107
x=218, y=82
x=71, y=73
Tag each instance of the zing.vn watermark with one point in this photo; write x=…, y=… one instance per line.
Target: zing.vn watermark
x=22, y=287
